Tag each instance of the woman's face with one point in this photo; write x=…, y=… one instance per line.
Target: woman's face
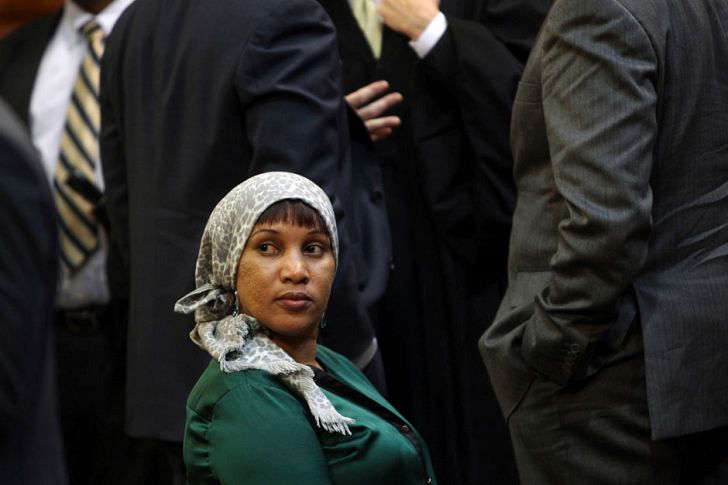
x=284, y=278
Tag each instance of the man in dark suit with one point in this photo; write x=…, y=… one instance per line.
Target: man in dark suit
x=608, y=352
x=40, y=65
x=449, y=195
x=197, y=96
x=31, y=450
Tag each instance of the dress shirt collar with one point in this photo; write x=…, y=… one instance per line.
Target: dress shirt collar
x=74, y=17
x=376, y=2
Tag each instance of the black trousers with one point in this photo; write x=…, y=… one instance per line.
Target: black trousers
x=90, y=370
x=91, y=379
x=597, y=431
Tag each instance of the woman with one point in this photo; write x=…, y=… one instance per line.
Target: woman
x=273, y=407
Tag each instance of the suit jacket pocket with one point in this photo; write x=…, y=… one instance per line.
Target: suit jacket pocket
x=501, y=344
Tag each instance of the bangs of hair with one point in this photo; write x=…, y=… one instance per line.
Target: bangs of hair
x=294, y=212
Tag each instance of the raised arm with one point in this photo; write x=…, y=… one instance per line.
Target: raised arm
x=289, y=87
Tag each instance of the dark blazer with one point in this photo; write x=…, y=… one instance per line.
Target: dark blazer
x=456, y=112
x=31, y=449
x=620, y=141
x=461, y=108
x=449, y=194
x=196, y=97
x=370, y=234
x=20, y=55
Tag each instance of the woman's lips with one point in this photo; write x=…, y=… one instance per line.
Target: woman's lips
x=294, y=301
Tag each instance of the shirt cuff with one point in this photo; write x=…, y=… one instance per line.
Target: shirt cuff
x=430, y=36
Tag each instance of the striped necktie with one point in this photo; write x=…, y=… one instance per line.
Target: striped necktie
x=79, y=155
x=365, y=13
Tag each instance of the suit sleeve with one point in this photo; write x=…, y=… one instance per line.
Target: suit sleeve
x=28, y=271
x=289, y=86
x=599, y=103
x=475, y=66
x=288, y=83
x=258, y=435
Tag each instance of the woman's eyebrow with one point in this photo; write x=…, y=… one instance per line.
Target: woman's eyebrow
x=264, y=229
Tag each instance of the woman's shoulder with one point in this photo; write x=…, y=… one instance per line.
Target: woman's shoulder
x=216, y=387
x=344, y=369
x=334, y=359
x=239, y=423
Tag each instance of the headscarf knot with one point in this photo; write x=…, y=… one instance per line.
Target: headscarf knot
x=209, y=302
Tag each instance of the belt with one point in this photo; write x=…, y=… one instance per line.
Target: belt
x=83, y=320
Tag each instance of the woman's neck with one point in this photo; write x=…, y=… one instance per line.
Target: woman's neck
x=302, y=350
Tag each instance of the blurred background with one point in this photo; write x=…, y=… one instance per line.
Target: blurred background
x=14, y=13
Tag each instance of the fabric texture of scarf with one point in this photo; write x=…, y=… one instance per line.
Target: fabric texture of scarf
x=238, y=341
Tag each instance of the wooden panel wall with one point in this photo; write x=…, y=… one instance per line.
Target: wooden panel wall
x=14, y=13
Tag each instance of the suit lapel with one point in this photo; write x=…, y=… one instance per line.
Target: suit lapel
x=394, y=45
x=351, y=37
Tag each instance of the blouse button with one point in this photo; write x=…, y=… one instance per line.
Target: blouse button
x=404, y=428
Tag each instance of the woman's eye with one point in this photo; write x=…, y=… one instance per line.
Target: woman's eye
x=314, y=249
x=265, y=247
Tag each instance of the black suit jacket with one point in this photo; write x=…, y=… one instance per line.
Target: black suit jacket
x=370, y=233
x=31, y=450
x=469, y=79
x=196, y=97
x=456, y=112
x=20, y=56
x=449, y=191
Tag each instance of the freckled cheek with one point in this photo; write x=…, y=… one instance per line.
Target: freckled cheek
x=327, y=280
x=253, y=287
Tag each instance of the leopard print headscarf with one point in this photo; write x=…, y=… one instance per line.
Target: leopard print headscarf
x=237, y=341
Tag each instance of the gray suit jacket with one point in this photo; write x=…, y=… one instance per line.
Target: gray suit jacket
x=620, y=140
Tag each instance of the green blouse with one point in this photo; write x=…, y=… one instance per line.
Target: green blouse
x=248, y=428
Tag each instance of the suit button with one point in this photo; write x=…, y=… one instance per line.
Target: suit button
x=376, y=196
x=404, y=428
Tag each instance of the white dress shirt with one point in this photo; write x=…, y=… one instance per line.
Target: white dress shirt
x=429, y=37
x=48, y=104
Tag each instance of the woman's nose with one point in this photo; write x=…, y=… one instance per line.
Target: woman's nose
x=294, y=268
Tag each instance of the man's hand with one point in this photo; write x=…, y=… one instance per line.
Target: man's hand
x=370, y=112
x=408, y=17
